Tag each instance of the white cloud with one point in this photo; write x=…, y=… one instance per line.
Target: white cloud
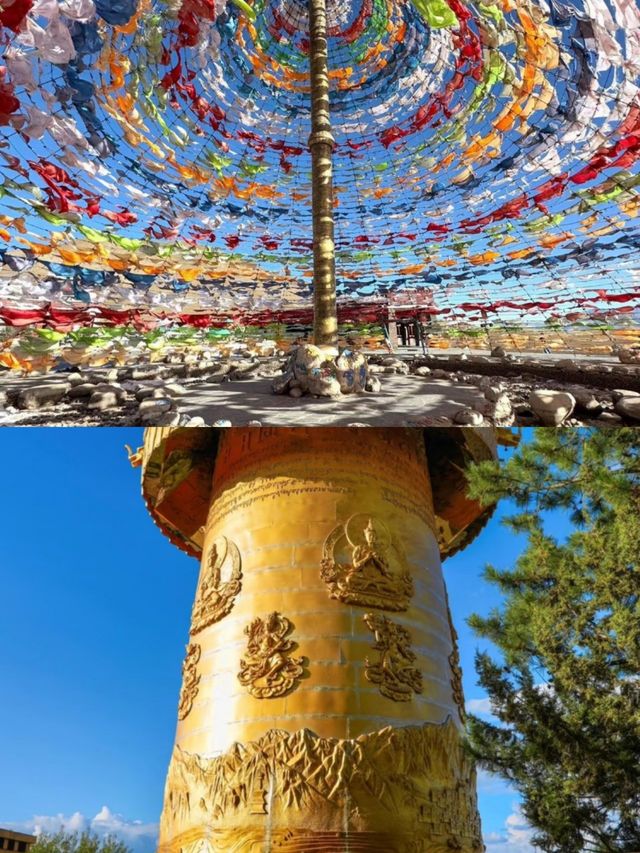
x=140, y=837
x=480, y=707
x=516, y=837
x=492, y=784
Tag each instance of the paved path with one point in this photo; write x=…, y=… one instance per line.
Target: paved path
x=402, y=399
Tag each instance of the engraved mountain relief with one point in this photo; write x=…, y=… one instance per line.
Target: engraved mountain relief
x=190, y=680
x=268, y=670
x=220, y=583
x=414, y=783
x=363, y=563
x=394, y=672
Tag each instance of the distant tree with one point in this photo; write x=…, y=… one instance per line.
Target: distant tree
x=78, y=842
x=566, y=693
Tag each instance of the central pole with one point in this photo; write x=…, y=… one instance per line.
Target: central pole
x=321, y=144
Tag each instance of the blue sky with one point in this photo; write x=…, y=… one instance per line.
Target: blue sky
x=95, y=615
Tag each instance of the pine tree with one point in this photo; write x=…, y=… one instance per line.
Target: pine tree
x=78, y=842
x=566, y=692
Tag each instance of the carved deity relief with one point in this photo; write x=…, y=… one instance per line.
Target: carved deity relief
x=375, y=572
x=394, y=672
x=268, y=670
x=220, y=583
x=456, y=671
x=190, y=680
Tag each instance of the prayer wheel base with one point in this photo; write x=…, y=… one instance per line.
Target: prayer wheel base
x=404, y=789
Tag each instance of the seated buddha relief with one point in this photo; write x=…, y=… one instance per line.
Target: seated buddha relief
x=363, y=563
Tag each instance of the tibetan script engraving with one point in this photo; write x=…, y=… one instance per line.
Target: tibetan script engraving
x=268, y=670
x=375, y=572
x=394, y=672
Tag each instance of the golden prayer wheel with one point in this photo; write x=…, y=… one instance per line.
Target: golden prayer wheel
x=321, y=704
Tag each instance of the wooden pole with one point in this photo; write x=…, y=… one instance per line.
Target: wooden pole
x=321, y=144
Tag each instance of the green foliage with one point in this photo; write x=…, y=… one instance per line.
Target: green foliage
x=566, y=693
x=76, y=842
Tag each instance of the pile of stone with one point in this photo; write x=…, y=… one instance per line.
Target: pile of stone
x=324, y=371
x=145, y=395
x=511, y=404
x=524, y=397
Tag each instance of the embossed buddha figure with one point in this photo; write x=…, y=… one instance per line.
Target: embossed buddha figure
x=363, y=563
x=371, y=560
x=216, y=592
x=211, y=580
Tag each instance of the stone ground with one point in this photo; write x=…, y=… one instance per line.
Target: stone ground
x=400, y=399
x=198, y=395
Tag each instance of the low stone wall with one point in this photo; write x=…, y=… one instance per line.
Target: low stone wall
x=607, y=376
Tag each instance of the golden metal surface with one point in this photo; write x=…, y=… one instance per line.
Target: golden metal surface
x=314, y=723
x=404, y=790
x=180, y=506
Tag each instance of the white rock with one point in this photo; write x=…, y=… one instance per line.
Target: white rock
x=103, y=400
x=221, y=422
x=629, y=407
x=423, y=371
x=149, y=394
x=610, y=418
x=587, y=402
x=167, y=419
x=41, y=396
x=468, y=417
x=619, y=393
x=551, y=407
x=628, y=356
x=155, y=408
x=85, y=389
x=492, y=392
x=499, y=410
x=113, y=387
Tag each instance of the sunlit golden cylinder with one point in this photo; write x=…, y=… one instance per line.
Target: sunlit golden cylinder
x=320, y=708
